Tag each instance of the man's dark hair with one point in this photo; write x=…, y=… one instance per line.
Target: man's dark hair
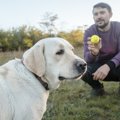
x=103, y=5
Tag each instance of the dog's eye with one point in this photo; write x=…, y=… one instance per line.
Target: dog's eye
x=60, y=52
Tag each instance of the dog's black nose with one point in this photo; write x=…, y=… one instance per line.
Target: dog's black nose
x=81, y=65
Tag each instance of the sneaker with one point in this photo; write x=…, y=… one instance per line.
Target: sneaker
x=98, y=92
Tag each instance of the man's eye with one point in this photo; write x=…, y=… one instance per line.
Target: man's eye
x=60, y=52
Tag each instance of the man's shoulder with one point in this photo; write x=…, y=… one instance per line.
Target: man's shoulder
x=115, y=26
x=91, y=29
x=115, y=23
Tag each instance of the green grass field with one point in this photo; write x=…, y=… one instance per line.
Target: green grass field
x=72, y=101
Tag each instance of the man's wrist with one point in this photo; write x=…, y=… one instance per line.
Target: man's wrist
x=111, y=65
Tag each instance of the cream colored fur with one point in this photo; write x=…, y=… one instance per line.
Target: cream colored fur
x=22, y=96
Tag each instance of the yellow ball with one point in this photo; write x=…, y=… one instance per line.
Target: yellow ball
x=95, y=39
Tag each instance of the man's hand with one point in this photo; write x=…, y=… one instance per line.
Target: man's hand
x=101, y=72
x=94, y=48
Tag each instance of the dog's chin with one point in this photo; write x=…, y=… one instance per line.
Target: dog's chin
x=54, y=87
x=61, y=78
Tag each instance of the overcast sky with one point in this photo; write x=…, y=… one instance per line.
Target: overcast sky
x=71, y=13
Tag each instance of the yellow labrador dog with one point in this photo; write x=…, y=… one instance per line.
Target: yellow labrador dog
x=25, y=84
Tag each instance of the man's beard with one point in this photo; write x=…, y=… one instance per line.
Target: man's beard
x=102, y=26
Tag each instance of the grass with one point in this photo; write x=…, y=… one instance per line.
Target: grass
x=72, y=101
x=6, y=56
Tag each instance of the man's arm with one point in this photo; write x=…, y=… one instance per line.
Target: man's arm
x=91, y=51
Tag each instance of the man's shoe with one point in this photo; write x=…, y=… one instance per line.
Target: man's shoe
x=98, y=92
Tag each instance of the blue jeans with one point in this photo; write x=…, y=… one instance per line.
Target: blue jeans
x=114, y=75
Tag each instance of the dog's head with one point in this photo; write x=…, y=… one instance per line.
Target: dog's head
x=53, y=60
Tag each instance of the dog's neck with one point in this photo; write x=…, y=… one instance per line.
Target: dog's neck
x=45, y=84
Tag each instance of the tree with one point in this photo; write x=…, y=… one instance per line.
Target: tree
x=48, y=23
x=34, y=34
x=75, y=37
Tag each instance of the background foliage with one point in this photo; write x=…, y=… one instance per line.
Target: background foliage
x=23, y=37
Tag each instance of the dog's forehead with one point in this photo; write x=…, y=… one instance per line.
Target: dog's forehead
x=57, y=42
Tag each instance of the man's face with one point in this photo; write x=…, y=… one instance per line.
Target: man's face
x=101, y=17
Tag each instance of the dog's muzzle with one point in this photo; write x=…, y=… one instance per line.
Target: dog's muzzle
x=80, y=67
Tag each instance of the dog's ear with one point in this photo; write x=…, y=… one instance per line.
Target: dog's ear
x=34, y=59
